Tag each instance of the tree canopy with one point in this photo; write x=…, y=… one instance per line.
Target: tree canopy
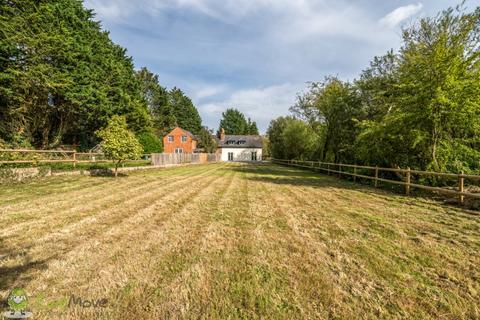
x=418, y=107
x=185, y=113
x=234, y=122
x=119, y=143
x=206, y=140
x=62, y=78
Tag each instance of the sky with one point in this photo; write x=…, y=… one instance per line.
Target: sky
x=257, y=55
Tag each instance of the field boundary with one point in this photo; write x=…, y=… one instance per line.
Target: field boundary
x=28, y=156
x=21, y=164
x=405, y=176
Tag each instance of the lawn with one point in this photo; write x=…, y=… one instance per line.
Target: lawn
x=234, y=241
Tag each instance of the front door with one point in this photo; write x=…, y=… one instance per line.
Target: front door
x=254, y=155
x=230, y=156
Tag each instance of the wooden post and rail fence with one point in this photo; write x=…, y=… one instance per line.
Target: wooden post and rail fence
x=35, y=157
x=27, y=156
x=406, y=174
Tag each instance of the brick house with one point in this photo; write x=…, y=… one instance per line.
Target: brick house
x=179, y=141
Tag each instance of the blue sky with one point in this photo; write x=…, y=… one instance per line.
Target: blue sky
x=256, y=55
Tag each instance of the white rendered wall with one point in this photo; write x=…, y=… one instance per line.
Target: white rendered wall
x=241, y=154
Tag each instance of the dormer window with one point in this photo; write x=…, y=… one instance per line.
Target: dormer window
x=184, y=138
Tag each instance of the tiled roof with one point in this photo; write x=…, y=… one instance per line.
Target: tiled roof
x=241, y=141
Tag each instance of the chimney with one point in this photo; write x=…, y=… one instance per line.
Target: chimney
x=222, y=134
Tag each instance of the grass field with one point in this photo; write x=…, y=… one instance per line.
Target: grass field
x=232, y=241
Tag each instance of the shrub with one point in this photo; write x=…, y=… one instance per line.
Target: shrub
x=150, y=142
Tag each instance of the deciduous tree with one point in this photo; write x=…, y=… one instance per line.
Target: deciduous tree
x=118, y=142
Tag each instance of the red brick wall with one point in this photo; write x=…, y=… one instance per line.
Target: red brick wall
x=177, y=133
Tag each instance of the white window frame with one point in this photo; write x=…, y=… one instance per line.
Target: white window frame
x=171, y=139
x=178, y=150
x=184, y=139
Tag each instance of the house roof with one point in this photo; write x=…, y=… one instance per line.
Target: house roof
x=241, y=141
x=194, y=137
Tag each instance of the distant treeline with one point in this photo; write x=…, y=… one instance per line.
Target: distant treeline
x=62, y=78
x=418, y=107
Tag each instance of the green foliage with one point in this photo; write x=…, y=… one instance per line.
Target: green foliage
x=299, y=140
x=275, y=136
x=418, y=108
x=334, y=106
x=252, y=127
x=206, y=140
x=235, y=123
x=118, y=143
x=150, y=142
x=291, y=138
x=186, y=115
x=62, y=78
x=156, y=98
x=430, y=106
x=266, y=148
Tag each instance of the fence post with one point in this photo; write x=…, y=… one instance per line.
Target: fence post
x=461, y=187
x=328, y=168
x=355, y=173
x=407, y=186
x=376, y=176
x=74, y=160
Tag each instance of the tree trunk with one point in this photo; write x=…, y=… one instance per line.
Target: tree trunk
x=116, y=170
x=325, y=146
x=45, y=136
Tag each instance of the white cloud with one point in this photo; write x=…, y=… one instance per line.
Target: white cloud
x=259, y=104
x=200, y=92
x=400, y=14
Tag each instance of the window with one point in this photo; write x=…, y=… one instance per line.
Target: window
x=230, y=156
x=184, y=138
x=254, y=155
x=178, y=150
x=170, y=138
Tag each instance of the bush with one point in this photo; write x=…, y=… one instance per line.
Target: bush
x=150, y=142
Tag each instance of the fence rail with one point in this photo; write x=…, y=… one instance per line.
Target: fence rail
x=406, y=174
x=56, y=156
x=27, y=156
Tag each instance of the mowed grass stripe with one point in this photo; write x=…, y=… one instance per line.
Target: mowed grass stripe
x=380, y=254
x=41, y=236
x=45, y=187
x=50, y=213
x=177, y=257
x=95, y=191
x=133, y=240
x=253, y=242
x=207, y=288
x=57, y=250
x=284, y=257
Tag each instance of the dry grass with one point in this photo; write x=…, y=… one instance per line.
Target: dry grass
x=236, y=241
